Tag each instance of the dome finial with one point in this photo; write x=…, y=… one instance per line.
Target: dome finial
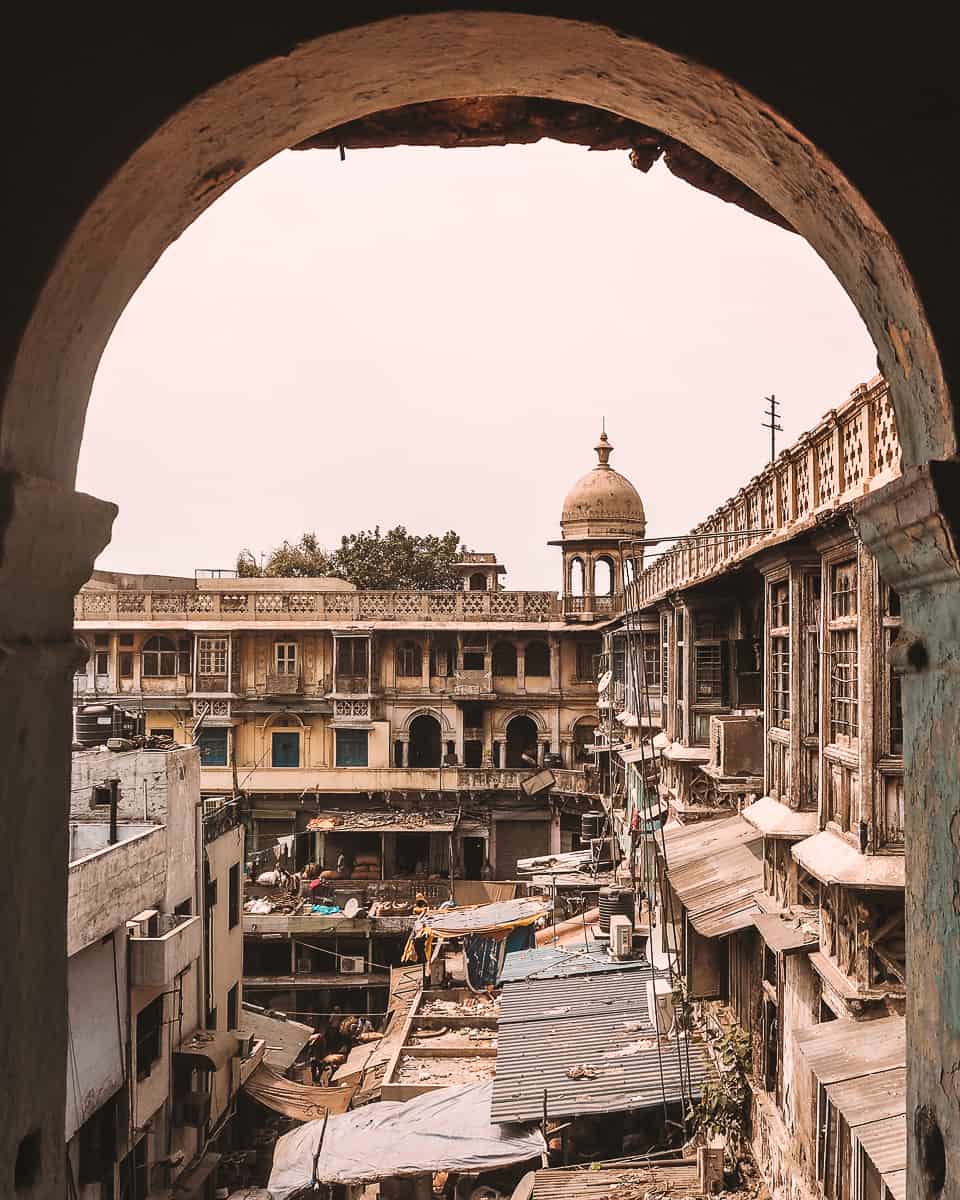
x=603, y=447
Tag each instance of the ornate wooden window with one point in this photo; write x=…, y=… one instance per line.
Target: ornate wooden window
x=212, y=656
x=779, y=606
x=352, y=656
x=844, y=654
x=504, y=659
x=651, y=661
x=409, y=660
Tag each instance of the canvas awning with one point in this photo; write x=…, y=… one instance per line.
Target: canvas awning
x=301, y=1101
x=486, y=918
x=209, y=1049
x=447, y=1129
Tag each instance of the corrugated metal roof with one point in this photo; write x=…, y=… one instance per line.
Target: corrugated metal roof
x=869, y=1098
x=886, y=1143
x=847, y=1049
x=541, y=998
x=687, y=843
x=547, y=962
x=717, y=874
x=582, y=1183
x=601, y=1022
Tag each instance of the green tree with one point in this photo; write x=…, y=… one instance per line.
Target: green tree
x=369, y=559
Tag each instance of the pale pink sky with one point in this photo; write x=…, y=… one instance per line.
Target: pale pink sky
x=431, y=337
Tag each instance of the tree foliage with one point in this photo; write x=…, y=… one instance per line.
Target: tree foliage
x=369, y=559
x=723, y=1105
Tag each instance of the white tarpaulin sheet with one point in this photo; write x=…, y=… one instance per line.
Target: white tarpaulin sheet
x=447, y=1129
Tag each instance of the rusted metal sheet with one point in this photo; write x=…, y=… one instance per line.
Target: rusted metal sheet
x=716, y=875
x=886, y=1143
x=582, y=1183
x=868, y=1098
x=847, y=1049
x=547, y=962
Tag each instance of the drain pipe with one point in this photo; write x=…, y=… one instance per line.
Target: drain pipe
x=113, y=836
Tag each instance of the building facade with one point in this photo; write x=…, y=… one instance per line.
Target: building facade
x=154, y=974
x=753, y=721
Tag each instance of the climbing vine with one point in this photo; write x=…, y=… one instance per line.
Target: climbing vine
x=722, y=1107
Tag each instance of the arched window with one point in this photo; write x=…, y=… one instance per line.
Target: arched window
x=425, y=742
x=478, y=582
x=409, y=660
x=521, y=742
x=504, y=658
x=576, y=577
x=161, y=657
x=583, y=735
x=537, y=659
x=603, y=577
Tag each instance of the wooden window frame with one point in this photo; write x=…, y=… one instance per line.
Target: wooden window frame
x=286, y=658
x=843, y=631
x=213, y=656
x=408, y=659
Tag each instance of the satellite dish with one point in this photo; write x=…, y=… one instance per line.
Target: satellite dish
x=352, y=907
x=604, y=681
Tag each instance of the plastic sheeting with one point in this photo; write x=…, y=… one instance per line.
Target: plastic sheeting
x=448, y=1129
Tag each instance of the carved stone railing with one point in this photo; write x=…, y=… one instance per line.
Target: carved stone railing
x=115, y=604
x=854, y=450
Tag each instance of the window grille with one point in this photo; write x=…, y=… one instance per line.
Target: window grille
x=651, y=660
x=708, y=671
x=844, y=684
x=843, y=590
x=780, y=672
x=780, y=605
x=212, y=656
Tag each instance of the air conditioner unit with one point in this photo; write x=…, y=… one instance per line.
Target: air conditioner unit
x=621, y=936
x=352, y=964
x=192, y=1109
x=212, y=804
x=145, y=924
x=736, y=744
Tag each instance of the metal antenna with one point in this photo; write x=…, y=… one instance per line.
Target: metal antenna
x=774, y=426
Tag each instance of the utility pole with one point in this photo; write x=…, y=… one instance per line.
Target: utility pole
x=774, y=426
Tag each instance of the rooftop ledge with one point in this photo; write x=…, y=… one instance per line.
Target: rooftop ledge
x=774, y=819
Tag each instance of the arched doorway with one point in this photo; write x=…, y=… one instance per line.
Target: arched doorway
x=219, y=107
x=478, y=582
x=521, y=742
x=603, y=577
x=425, y=741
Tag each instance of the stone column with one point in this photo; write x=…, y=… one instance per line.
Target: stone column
x=425, y=662
x=405, y=752
x=912, y=528
x=554, y=662
x=49, y=539
x=521, y=666
x=542, y=747
x=487, y=736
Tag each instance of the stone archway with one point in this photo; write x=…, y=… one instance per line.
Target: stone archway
x=426, y=743
x=521, y=742
x=226, y=108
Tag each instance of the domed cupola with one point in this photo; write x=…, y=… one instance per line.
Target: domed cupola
x=602, y=510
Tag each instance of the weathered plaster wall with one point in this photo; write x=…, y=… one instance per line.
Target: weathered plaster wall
x=112, y=885
x=97, y=999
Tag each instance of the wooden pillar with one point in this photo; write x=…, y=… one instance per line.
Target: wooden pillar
x=554, y=662
x=425, y=662
x=487, y=736
x=521, y=666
